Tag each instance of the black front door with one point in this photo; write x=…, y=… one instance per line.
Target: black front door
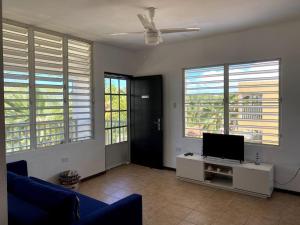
x=147, y=121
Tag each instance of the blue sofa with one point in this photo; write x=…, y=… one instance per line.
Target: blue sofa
x=32, y=201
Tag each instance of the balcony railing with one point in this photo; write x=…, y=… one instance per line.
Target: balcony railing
x=47, y=133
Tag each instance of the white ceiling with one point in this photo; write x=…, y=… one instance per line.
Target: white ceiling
x=94, y=19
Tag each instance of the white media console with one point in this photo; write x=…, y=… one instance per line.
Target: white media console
x=243, y=177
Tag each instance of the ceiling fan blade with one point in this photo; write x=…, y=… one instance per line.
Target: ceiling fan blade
x=145, y=21
x=126, y=33
x=178, y=30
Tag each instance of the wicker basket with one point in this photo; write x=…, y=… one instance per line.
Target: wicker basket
x=69, y=179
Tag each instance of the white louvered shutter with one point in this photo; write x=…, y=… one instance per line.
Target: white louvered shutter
x=79, y=90
x=16, y=88
x=49, y=89
x=204, y=106
x=254, y=101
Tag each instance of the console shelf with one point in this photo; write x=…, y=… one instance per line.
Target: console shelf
x=216, y=172
x=214, y=168
x=246, y=178
x=220, y=182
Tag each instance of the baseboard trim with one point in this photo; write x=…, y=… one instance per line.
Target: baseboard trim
x=102, y=173
x=92, y=176
x=117, y=165
x=169, y=168
x=287, y=191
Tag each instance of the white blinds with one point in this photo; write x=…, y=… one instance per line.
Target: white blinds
x=16, y=88
x=48, y=90
x=204, y=94
x=79, y=70
x=239, y=99
x=254, y=101
x=49, y=87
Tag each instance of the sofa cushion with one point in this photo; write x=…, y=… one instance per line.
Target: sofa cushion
x=127, y=211
x=60, y=203
x=87, y=204
x=11, y=178
x=21, y=212
x=50, y=184
x=18, y=167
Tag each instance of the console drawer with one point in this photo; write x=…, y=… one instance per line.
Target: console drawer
x=189, y=168
x=253, y=180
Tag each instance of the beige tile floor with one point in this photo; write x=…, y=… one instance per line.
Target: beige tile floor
x=169, y=201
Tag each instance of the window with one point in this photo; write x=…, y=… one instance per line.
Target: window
x=47, y=88
x=240, y=99
x=80, y=103
x=204, y=107
x=116, y=119
x=254, y=101
x=16, y=88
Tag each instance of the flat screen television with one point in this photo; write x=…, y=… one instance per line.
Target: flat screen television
x=223, y=146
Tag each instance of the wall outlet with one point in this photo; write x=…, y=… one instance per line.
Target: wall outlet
x=64, y=159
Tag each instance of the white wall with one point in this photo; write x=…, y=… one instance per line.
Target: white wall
x=117, y=154
x=87, y=157
x=280, y=41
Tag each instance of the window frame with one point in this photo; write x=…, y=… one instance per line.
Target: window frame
x=92, y=90
x=226, y=99
x=127, y=79
x=31, y=68
x=34, y=35
x=224, y=94
x=27, y=92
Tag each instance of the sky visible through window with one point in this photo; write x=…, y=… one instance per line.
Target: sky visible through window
x=196, y=75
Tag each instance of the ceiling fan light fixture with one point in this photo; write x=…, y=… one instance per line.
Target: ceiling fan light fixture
x=153, y=38
x=153, y=35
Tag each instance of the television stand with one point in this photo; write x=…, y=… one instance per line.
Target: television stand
x=218, y=174
x=242, y=177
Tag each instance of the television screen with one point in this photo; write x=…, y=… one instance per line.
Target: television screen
x=223, y=146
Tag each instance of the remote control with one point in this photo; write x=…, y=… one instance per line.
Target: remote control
x=189, y=154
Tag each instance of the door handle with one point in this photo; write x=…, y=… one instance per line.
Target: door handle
x=158, y=124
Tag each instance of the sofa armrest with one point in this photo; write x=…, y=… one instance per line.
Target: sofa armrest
x=18, y=167
x=127, y=211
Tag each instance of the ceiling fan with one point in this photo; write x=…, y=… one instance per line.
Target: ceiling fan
x=153, y=35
